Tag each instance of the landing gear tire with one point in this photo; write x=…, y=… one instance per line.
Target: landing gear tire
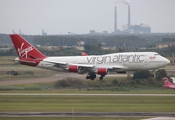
x=152, y=75
x=87, y=77
x=101, y=78
x=91, y=76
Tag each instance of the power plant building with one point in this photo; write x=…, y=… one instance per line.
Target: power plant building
x=141, y=28
x=129, y=28
x=137, y=28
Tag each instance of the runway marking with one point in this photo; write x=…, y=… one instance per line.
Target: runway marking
x=57, y=94
x=161, y=118
x=66, y=114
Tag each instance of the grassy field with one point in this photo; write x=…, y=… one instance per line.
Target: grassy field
x=16, y=103
x=7, y=64
x=84, y=91
x=42, y=103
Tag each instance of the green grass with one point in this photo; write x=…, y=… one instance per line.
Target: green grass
x=82, y=91
x=6, y=64
x=21, y=70
x=86, y=104
x=7, y=60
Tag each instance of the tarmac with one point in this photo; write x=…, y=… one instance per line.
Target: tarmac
x=89, y=114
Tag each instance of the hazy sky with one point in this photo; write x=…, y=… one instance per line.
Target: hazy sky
x=80, y=16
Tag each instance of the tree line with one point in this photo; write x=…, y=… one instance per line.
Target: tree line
x=94, y=43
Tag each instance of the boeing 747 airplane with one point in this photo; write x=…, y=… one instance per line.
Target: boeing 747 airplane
x=91, y=65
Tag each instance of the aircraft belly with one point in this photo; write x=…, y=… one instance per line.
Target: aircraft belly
x=50, y=66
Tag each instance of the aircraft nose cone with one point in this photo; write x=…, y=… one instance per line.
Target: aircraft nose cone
x=167, y=61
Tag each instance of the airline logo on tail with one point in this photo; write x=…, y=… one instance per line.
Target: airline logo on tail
x=23, y=48
x=23, y=51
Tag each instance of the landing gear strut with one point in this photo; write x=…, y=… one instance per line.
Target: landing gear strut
x=152, y=73
x=101, y=77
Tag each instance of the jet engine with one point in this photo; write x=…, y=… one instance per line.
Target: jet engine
x=102, y=71
x=73, y=68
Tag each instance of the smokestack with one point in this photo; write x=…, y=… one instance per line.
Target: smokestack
x=129, y=20
x=115, y=19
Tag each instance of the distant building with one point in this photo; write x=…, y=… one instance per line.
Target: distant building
x=164, y=45
x=105, y=32
x=137, y=28
x=80, y=48
x=6, y=49
x=92, y=32
x=81, y=43
x=43, y=32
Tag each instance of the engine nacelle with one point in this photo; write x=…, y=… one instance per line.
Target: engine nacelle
x=102, y=71
x=73, y=68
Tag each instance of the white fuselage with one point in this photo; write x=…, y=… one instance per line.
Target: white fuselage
x=126, y=61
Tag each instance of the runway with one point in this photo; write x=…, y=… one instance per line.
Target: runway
x=87, y=114
x=58, y=94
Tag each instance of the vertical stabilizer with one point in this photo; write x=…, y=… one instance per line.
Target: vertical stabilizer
x=24, y=49
x=167, y=83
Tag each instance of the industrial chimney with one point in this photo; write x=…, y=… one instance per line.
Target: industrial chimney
x=115, y=19
x=129, y=20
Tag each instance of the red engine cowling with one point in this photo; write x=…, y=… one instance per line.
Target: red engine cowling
x=73, y=68
x=102, y=71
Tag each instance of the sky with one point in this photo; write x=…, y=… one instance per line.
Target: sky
x=81, y=16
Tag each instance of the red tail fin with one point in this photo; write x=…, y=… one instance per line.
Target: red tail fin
x=167, y=83
x=84, y=54
x=24, y=48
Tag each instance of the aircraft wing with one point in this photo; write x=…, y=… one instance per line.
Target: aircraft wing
x=65, y=64
x=68, y=64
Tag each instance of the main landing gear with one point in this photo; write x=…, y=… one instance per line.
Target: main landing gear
x=92, y=76
x=101, y=77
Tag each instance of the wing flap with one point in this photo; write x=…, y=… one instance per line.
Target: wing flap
x=67, y=64
x=82, y=65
